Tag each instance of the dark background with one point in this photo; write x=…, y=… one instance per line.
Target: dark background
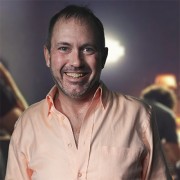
x=149, y=31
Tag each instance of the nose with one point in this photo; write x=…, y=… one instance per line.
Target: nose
x=76, y=59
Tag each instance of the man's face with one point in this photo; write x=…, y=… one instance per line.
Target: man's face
x=75, y=59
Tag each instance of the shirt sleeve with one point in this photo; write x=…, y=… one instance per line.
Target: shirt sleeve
x=154, y=166
x=17, y=166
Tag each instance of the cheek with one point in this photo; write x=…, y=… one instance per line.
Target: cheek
x=96, y=64
x=56, y=61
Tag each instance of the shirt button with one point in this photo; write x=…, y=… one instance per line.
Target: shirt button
x=69, y=145
x=79, y=174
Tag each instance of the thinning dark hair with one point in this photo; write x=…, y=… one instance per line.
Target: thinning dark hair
x=77, y=12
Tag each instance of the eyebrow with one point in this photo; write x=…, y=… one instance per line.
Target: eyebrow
x=90, y=45
x=83, y=45
x=63, y=43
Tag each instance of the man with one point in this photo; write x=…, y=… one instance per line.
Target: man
x=82, y=130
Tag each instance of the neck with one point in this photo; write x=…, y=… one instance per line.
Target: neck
x=63, y=101
x=68, y=105
x=74, y=109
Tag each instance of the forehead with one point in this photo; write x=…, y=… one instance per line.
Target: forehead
x=73, y=27
x=82, y=23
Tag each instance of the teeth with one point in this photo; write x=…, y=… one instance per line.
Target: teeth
x=74, y=75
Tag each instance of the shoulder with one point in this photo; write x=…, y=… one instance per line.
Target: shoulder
x=32, y=117
x=122, y=100
x=36, y=107
x=140, y=107
x=131, y=102
x=33, y=112
x=133, y=112
x=130, y=106
x=164, y=109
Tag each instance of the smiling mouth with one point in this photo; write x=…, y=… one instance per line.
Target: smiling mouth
x=76, y=75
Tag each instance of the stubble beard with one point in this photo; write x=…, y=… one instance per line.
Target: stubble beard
x=88, y=89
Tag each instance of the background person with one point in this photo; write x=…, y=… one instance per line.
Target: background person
x=164, y=101
x=12, y=101
x=82, y=130
x=12, y=104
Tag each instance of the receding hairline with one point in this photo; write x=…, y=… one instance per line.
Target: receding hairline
x=81, y=21
x=80, y=13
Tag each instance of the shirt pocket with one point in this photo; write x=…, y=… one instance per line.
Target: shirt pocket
x=118, y=163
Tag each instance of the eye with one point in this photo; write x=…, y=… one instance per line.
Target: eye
x=64, y=49
x=89, y=50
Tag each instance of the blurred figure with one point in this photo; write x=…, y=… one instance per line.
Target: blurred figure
x=163, y=100
x=12, y=104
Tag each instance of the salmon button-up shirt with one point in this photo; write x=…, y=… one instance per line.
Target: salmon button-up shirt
x=118, y=141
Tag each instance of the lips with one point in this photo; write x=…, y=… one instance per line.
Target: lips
x=76, y=75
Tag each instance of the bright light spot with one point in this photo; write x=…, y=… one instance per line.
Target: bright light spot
x=168, y=80
x=115, y=52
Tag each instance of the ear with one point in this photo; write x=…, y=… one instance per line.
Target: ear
x=47, y=56
x=104, y=56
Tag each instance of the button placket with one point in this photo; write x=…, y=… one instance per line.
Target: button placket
x=84, y=146
x=69, y=144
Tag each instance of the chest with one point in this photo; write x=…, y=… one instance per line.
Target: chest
x=104, y=149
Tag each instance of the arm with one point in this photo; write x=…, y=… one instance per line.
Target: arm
x=9, y=119
x=11, y=83
x=15, y=103
x=172, y=152
x=170, y=143
x=17, y=166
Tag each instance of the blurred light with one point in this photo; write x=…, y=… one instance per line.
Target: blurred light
x=116, y=50
x=168, y=80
